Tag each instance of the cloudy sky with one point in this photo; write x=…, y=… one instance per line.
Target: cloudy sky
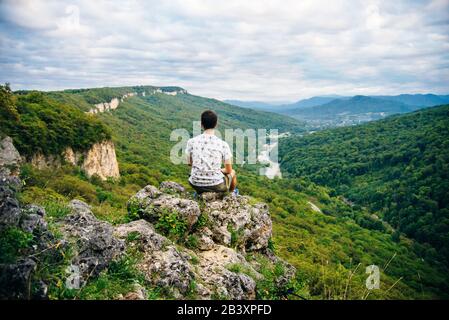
x=250, y=50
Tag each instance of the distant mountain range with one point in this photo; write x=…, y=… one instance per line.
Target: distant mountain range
x=354, y=105
x=280, y=108
x=331, y=111
x=421, y=100
x=258, y=105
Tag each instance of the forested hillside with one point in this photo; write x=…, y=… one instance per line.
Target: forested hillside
x=316, y=231
x=397, y=167
x=38, y=123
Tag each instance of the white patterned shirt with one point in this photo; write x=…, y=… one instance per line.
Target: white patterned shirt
x=208, y=152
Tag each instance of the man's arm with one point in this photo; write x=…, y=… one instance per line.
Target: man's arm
x=227, y=157
x=228, y=167
x=188, y=153
x=189, y=160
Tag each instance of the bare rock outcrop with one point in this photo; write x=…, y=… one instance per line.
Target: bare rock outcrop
x=208, y=259
x=115, y=102
x=16, y=272
x=230, y=226
x=214, y=273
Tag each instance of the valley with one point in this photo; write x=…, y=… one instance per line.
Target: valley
x=397, y=167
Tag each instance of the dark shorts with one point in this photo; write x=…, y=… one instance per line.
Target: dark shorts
x=222, y=187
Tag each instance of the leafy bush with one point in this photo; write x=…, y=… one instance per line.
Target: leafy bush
x=172, y=225
x=134, y=210
x=13, y=242
x=236, y=236
x=203, y=221
x=119, y=278
x=74, y=187
x=192, y=241
x=56, y=209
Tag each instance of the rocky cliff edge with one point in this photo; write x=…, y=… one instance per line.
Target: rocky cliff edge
x=214, y=247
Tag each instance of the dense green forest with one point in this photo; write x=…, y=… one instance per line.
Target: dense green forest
x=330, y=247
x=38, y=123
x=397, y=167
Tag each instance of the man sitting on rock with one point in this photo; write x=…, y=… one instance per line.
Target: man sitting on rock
x=205, y=154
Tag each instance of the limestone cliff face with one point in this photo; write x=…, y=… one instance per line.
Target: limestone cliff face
x=99, y=160
x=42, y=161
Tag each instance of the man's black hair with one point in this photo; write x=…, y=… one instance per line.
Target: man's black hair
x=208, y=119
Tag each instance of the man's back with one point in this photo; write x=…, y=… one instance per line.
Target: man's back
x=207, y=152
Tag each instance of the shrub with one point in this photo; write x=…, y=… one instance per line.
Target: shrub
x=271, y=244
x=203, y=221
x=74, y=187
x=134, y=210
x=40, y=195
x=171, y=224
x=13, y=242
x=103, y=195
x=56, y=209
x=236, y=236
x=119, y=278
x=192, y=241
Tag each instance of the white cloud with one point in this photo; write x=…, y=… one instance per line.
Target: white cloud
x=263, y=50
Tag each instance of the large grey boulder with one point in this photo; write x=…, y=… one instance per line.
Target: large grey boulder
x=151, y=203
x=234, y=218
x=9, y=207
x=32, y=219
x=172, y=187
x=15, y=279
x=216, y=267
x=213, y=270
x=16, y=276
x=233, y=225
x=162, y=264
x=94, y=242
x=10, y=159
